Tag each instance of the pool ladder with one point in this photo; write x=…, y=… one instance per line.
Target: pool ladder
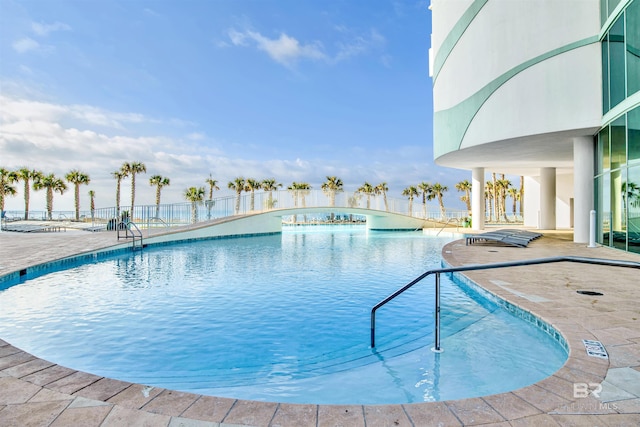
x=132, y=231
x=473, y=267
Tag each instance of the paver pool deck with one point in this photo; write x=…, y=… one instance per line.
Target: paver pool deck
x=35, y=392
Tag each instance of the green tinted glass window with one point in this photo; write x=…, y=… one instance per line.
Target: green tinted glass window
x=633, y=47
x=612, y=6
x=633, y=136
x=603, y=208
x=618, y=209
x=618, y=143
x=604, y=160
x=633, y=218
x=606, y=105
x=617, y=91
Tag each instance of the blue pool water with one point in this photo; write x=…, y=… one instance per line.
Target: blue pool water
x=278, y=318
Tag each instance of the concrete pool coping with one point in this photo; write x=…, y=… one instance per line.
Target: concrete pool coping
x=36, y=392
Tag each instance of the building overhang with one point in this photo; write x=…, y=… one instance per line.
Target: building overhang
x=519, y=156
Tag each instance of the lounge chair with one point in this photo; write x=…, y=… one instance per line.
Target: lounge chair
x=506, y=237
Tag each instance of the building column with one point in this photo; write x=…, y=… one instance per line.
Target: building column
x=583, y=159
x=477, y=199
x=547, y=199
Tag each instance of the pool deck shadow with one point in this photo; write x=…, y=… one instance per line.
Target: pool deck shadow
x=586, y=391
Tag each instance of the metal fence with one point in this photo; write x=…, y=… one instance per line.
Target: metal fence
x=171, y=215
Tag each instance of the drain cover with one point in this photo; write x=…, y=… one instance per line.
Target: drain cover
x=589, y=293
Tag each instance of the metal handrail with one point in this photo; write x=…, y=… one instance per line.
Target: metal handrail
x=447, y=223
x=158, y=219
x=126, y=226
x=437, y=272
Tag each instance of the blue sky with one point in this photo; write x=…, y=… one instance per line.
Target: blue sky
x=294, y=90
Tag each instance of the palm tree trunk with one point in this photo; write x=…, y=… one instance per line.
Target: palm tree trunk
x=157, y=202
x=133, y=193
x=522, y=196
x=118, y=199
x=77, y=197
x=495, y=197
x=304, y=205
x=386, y=205
x=468, y=200
x=26, y=199
x=443, y=212
x=238, y=203
x=49, y=203
x=194, y=213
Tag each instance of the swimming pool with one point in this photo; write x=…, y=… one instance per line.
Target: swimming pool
x=278, y=318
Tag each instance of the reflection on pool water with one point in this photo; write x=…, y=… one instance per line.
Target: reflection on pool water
x=278, y=318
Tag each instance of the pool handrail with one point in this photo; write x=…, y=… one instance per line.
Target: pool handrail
x=128, y=232
x=473, y=267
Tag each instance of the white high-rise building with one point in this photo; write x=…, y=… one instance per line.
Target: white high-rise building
x=548, y=90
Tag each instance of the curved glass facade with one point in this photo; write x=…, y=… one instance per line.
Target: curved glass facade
x=617, y=180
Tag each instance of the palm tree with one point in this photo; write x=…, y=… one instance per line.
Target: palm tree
x=295, y=190
x=515, y=196
x=195, y=195
x=299, y=190
x=465, y=186
x=6, y=189
x=76, y=178
x=159, y=181
x=494, y=194
x=270, y=185
x=630, y=196
x=304, y=189
x=251, y=185
x=631, y=193
x=353, y=202
x=425, y=189
x=26, y=175
x=382, y=189
x=438, y=191
x=92, y=197
x=488, y=199
x=330, y=187
x=237, y=185
x=213, y=185
x=132, y=169
x=522, y=196
x=410, y=192
x=368, y=190
x=118, y=175
x=51, y=183
x=503, y=186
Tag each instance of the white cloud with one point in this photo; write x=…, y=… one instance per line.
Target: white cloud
x=25, y=45
x=22, y=109
x=56, y=138
x=43, y=30
x=285, y=50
